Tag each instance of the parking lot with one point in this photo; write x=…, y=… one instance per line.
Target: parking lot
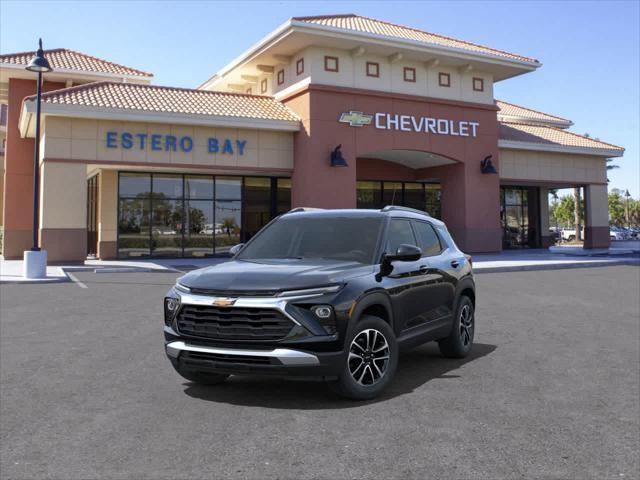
x=551, y=390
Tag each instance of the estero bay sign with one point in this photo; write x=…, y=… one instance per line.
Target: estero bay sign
x=171, y=143
x=411, y=123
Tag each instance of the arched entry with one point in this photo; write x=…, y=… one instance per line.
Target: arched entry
x=400, y=177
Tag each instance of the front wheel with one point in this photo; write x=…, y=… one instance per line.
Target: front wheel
x=459, y=342
x=371, y=361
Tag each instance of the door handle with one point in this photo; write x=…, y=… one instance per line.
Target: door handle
x=423, y=269
x=455, y=263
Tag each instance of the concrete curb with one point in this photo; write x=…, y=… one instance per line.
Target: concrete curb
x=561, y=266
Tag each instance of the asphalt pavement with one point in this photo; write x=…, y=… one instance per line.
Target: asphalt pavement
x=550, y=391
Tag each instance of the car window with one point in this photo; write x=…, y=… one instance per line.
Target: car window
x=399, y=233
x=428, y=239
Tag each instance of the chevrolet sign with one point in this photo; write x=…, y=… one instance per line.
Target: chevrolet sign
x=355, y=119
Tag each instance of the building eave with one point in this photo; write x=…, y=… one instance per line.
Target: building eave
x=64, y=72
x=541, y=147
x=129, y=115
x=532, y=121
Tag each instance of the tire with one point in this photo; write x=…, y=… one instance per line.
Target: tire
x=372, y=340
x=571, y=238
x=459, y=342
x=201, y=378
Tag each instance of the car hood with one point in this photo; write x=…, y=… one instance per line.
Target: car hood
x=270, y=275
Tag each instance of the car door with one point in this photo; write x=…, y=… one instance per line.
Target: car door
x=437, y=268
x=405, y=283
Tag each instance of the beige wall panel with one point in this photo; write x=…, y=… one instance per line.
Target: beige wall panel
x=598, y=213
x=108, y=206
x=63, y=196
x=549, y=166
x=83, y=149
x=58, y=127
x=57, y=147
x=87, y=129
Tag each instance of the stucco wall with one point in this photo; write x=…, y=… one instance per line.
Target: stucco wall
x=551, y=167
x=85, y=140
x=352, y=73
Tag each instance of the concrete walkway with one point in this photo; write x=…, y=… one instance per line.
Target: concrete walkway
x=506, y=261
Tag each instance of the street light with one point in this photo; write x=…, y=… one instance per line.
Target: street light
x=35, y=260
x=626, y=208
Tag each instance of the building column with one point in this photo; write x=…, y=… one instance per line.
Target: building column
x=314, y=182
x=18, y=173
x=63, y=211
x=546, y=239
x=107, y=214
x=596, y=216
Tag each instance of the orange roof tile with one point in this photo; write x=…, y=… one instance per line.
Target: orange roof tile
x=544, y=135
x=370, y=25
x=513, y=110
x=152, y=98
x=65, y=59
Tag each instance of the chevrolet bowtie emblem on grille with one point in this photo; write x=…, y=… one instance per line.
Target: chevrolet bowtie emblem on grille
x=224, y=302
x=356, y=119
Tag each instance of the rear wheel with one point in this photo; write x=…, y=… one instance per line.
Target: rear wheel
x=459, y=342
x=371, y=361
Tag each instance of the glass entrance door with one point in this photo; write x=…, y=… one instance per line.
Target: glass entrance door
x=92, y=216
x=519, y=217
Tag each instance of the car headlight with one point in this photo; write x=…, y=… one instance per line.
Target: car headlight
x=310, y=291
x=171, y=307
x=181, y=288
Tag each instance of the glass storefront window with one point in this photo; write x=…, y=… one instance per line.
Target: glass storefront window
x=199, y=228
x=283, y=200
x=392, y=193
x=173, y=215
x=432, y=199
x=369, y=194
x=133, y=227
x=414, y=196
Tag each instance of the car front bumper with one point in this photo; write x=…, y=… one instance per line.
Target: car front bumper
x=281, y=361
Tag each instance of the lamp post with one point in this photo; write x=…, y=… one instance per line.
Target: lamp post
x=35, y=260
x=626, y=208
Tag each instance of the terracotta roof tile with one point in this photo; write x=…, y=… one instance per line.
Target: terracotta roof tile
x=152, y=98
x=513, y=110
x=517, y=132
x=379, y=27
x=65, y=59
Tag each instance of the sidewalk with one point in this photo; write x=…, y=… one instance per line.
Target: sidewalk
x=506, y=261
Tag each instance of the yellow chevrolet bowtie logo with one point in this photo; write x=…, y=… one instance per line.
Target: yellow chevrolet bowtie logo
x=356, y=119
x=224, y=302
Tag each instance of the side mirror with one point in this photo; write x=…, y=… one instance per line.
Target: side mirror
x=405, y=253
x=236, y=249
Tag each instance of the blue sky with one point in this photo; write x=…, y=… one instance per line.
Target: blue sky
x=589, y=50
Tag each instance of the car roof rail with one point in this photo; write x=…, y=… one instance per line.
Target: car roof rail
x=304, y=209
x=390, y=208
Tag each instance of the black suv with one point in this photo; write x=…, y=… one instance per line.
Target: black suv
x=328, y=293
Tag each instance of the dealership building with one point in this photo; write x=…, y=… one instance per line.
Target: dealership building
x=337, y=111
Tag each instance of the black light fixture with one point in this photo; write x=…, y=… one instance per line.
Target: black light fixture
x=337, y=160
x=486, y=165
x=35, y=260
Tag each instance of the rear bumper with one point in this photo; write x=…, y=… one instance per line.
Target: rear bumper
x=238, y=361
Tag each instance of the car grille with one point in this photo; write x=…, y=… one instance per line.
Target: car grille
x=210, y=360
x=233, y=323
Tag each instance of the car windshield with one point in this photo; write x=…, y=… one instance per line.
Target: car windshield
x=347, y=237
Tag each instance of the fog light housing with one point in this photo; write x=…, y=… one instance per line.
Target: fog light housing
x=326, y=318
x=171, y=306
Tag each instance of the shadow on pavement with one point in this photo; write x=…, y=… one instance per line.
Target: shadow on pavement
x=416, y=368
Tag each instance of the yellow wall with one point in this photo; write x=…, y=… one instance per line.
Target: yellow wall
x=553, y=167
x=80, y=139
x=108, y=206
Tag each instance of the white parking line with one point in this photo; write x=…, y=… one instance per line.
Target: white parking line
x=75, y=280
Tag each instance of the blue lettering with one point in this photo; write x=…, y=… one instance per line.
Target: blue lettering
x=170, y=143
x=155, y=142
x=111, y=140
x=213, y=145
x=241, y=144
x=126, y=140
x=142, y=137
x=227, y=147
x=186, y=144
